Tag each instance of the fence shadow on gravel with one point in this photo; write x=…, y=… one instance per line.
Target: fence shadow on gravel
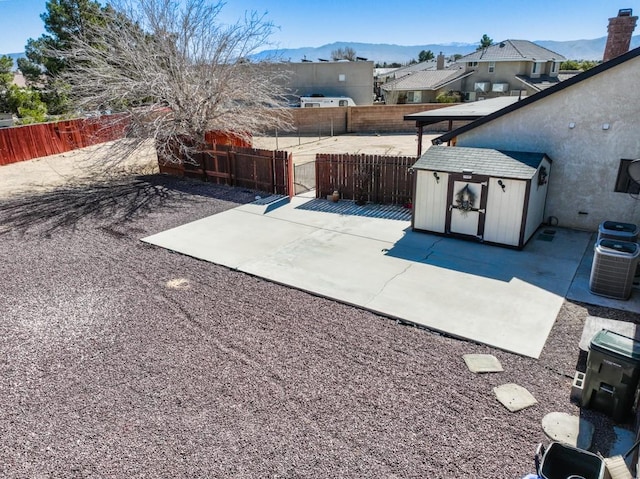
x=108, y=202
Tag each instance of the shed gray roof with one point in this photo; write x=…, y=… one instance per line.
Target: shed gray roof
x=482, y=161
x=513, y=50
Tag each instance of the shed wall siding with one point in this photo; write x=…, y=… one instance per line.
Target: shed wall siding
x=503, y=218
x=585, y=158
x=537, y=198
x=430, y=202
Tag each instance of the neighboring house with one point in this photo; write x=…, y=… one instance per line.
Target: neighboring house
x=590, y=138
x=423, y=86
x=384, y=75
x=511, y=67
x=331, y=79
x=420, y=82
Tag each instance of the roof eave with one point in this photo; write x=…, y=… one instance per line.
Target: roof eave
x=447, y=82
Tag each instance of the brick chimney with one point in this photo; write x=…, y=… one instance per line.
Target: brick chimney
x=440, y=62
x=620, y=30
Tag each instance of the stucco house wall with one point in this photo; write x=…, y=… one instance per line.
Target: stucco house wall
x=504, y=72
x=342, y=78
x=570, y=126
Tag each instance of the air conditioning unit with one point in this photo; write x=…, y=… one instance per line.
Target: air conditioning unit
x=613, y=268
x=500, y=87
x=482, y=86
x=470, y=96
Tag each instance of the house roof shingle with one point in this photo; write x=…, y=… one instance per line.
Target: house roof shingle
x=513, y=50
x=482, y=161
x=396, y=73
x=425, y=80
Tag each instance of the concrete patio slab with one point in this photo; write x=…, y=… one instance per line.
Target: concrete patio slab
x=580, y=291
x=594, y=324
x=503, y=298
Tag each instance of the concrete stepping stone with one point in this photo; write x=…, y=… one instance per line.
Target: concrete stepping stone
x=568, y=429
x=482, y=363
x=514, y=397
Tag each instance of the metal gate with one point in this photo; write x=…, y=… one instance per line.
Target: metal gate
x=304, y=177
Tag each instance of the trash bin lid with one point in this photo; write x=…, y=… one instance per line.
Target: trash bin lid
x=624, y=248
x=618, y=227
x=620, y=230
x=618, y=344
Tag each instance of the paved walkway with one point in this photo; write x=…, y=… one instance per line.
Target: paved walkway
x=500, y=297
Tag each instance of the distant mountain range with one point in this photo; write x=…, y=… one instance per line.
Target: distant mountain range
x=15, y=57
x=384, y=52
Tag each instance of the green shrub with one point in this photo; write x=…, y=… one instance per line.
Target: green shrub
x=449, y=97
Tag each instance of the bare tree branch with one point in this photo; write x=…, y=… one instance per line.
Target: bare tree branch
x=176, y=72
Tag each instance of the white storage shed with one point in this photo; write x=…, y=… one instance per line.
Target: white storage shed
x=484, y=194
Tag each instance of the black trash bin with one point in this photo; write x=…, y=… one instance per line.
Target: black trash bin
x=613, y=371
x=560, y=461
x=618, y=231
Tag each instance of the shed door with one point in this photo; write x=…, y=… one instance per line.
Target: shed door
x=466, y=208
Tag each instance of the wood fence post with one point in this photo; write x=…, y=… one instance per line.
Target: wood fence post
x=290, y=175
x=232, y=167
x=274, y=181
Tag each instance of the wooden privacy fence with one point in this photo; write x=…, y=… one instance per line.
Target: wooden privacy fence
x=22, y=143
x=365, y=178
x=263, y=170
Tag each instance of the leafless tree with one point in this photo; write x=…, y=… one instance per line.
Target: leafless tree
x=175, y=71
x=346, y=53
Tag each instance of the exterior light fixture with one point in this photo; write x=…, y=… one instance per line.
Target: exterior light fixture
x=502, y=185
x=435, y=175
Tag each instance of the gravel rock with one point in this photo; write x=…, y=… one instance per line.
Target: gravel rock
x=124, y=360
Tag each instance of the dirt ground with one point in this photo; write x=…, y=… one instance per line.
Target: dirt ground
x=123, y=360
x=305, y=148
x=81, y=165
x=42, y=173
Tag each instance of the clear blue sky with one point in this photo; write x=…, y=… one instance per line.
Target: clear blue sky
x=413, y=22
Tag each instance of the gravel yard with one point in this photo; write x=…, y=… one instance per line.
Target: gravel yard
x=123, y=360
